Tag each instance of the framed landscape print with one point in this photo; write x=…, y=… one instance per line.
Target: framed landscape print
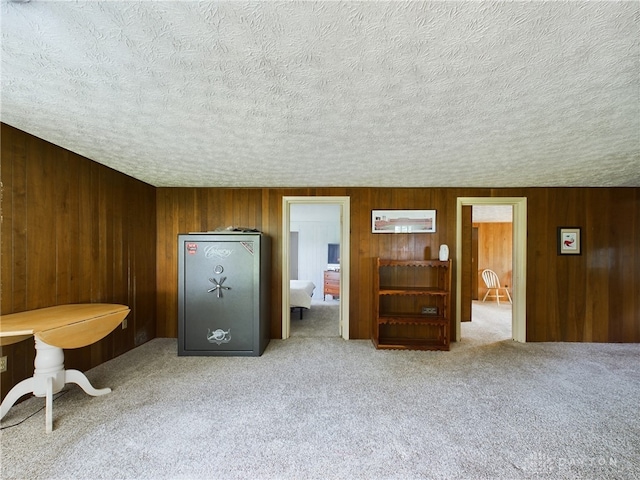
x=403, y=221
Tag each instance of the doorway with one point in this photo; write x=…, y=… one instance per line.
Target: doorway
x=519, y=209
x=490, y=317
x=344, y=205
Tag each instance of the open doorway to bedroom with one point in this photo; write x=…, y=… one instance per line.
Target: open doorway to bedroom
x=315, y=259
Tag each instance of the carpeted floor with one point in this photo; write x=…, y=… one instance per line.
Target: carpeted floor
x=326, y=408
x=490, y=323
x=321, y=320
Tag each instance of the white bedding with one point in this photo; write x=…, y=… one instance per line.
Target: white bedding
x=300, y=293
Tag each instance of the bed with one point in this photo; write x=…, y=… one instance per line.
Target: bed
x=300, y=293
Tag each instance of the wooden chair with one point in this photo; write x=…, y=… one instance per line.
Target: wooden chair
x=492, y=282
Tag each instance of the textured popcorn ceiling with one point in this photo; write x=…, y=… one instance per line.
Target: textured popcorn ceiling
x=268, y=93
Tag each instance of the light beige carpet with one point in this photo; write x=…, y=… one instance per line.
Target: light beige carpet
x=321, y=320
x=326, y=408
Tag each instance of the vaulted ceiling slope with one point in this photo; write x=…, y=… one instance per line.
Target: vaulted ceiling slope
x=308, y=93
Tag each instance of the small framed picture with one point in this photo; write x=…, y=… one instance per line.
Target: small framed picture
x=569, y=241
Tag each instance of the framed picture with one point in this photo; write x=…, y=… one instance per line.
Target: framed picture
x=569, y=241
x=403, y=221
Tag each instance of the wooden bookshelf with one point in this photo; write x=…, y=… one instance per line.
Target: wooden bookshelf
x=412, y=304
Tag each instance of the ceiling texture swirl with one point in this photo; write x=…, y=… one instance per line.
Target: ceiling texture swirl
x=309, y=93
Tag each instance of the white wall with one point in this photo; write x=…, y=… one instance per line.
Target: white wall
x=317, y=227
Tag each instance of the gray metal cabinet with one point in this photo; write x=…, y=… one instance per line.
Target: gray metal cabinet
x=224, y=293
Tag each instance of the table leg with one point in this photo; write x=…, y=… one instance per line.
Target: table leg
x=49, y=377
x=80, y=379
x=22, y=388
x=48, y=414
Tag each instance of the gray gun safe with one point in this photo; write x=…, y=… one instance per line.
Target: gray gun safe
x=224, y=293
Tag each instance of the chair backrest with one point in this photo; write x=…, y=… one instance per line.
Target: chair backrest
x=490, y=278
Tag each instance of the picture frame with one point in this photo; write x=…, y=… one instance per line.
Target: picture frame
x=569, y=241
x=403, y=221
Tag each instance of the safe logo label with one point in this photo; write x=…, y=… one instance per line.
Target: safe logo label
x=212, y=251
x=218, y=336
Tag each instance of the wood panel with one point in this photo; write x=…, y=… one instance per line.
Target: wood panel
x=73, y=231
x=467, y=260
x=495, y=252
x=567, y=298
x=361, y=310
x=593, y=296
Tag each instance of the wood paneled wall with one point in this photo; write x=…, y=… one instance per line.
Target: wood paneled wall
x=495, y=252
x=593, y=297
x=73, y=231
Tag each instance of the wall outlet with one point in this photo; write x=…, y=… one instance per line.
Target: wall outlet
x=3, y=364
x=124, y=323
x=429, y=310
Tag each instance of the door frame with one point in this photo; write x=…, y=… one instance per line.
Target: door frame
x=345, y=237
x=519, y=280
